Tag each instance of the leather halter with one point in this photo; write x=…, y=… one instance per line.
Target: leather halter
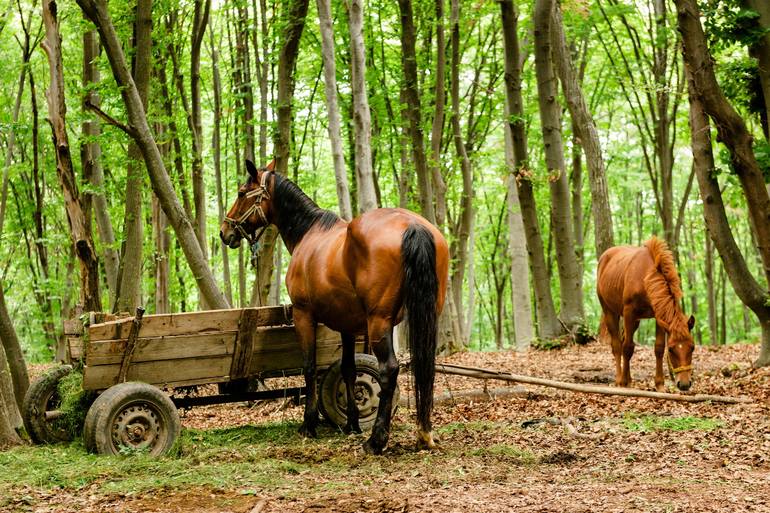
x=676, y=370
x=259, y=193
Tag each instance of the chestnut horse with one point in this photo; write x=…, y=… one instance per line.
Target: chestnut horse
x=357, y=277
x=641, y=283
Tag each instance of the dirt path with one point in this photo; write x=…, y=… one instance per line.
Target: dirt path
x=553, y=451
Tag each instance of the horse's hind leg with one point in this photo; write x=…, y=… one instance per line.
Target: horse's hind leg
x=611, y=325
x=630, y=324
x=381, y=338
x=660, y=350
x=349, y=375
x=304, y=326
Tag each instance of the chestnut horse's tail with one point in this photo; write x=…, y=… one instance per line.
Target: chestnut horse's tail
x=420, y=289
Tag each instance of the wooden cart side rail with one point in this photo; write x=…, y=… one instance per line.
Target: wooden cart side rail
x=190, y=323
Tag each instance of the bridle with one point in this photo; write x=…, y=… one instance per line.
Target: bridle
x=676, y=370
x=259, y=193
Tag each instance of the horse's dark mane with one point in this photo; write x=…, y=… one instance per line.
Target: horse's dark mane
x=296, y=213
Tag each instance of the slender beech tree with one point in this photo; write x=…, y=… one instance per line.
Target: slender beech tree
x=333, y=108
x=589, y=137
x=139, y=130
x=547, y=323
x=707, y=100
x=362, y=119
x=57, y=112
x=570, y=279
x=90, y=156
x=130, y=286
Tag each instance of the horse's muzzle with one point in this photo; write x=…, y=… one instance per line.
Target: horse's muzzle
x=684, y=386
x=232, y=240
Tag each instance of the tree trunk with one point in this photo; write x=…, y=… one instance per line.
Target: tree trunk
x=13, y=352
x=710, y=291
x=216, y=145
x=294, y=23
x=413, y=111
x=570, y=282
x=437, y=129
x=761, y=52
x=333, y=108
x=585, y=127
x=97, y=12
x=91, y=158
x=362, y=121
x=57, y=112
x=10, y=419
x=548, y=323
x=162, y=267
x=130, y=295
x=751, y=293
x=517, y=249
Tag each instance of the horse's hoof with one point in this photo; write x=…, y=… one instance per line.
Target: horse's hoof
x=307, y=431
x=426, y=441
x=352, y=428
x=373, y=449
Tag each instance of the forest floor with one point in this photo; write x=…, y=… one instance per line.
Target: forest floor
x=550, y=451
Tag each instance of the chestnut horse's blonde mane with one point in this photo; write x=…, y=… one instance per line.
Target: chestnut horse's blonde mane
x=664, y=287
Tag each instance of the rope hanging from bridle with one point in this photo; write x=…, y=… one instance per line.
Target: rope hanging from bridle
x=259, y=193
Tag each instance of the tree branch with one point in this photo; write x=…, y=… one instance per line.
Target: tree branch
x=128, y=129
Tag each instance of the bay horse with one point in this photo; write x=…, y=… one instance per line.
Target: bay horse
x=364, y=276
x=642, y=283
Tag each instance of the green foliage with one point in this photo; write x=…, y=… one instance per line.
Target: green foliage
x=550, y=344
x=74, y=403
x=648, y=423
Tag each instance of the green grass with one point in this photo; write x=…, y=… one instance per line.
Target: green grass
x=649, y=423
x=256, y=458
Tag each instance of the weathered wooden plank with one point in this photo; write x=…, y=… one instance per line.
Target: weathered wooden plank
x=244, y=341
x=162, y=372
x=109, y=352
x=279, y=349
x=75, y=348
x=73, y=327
x=188, y=323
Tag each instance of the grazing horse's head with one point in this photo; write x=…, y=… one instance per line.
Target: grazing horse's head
x=680, y=348
x=251, y=209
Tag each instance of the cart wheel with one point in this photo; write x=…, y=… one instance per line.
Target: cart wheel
x=334, y=398
x=132, y=417
x=41, y=405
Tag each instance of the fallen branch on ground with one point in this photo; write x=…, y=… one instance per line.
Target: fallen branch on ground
x=587, y=389
x=469, y=395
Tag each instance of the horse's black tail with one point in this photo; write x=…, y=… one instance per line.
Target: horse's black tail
x=420, y=286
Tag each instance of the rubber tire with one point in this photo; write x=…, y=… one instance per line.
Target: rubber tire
x=329, y=405
x=104, y=412
x=38, y=401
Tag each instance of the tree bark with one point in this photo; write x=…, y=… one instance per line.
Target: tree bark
x=362, y=121
x=413, y=109
x=333, y=108
x=751, y=293
x=130, y=287
x=761, y=51
x=517, y=249
x=13, y=352
x=294, y=23
x=570, y=282
x=585, y=127
x=10, y=419
x=710, y=291
x=57, y=112
x=730, y=126
x=547, y=322
x=437, y=129
x=91, y=153
x=96, y=10
x=216, y=145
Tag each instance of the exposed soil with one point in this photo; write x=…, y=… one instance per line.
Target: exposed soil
x=552, y=451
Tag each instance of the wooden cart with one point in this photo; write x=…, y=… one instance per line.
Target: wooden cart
x=142, y=368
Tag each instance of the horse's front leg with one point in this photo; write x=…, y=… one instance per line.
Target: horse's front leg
x=660, y=350
x=349, y=375
x=630, y=324
x=305, y=325
x=381, y=337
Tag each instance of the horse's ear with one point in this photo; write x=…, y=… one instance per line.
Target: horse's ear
x=271, y=165
x=691, y=322
x=251, y=168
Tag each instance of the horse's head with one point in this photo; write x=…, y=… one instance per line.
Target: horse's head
x=251, y=209
x=680, y=349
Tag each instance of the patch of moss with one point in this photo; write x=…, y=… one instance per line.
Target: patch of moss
x=649, y=423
